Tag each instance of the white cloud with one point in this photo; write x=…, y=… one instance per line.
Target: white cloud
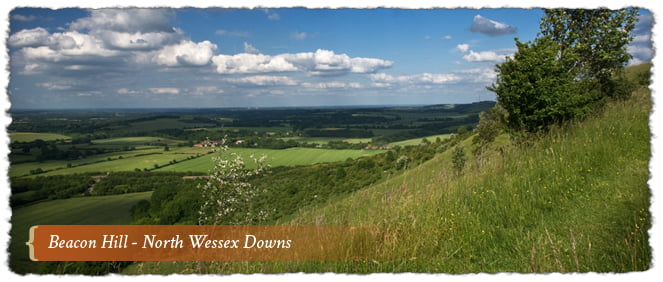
x=23, y=18
x=125, y=91
x=186, y=53
x=54, y=86
x=484, y=56
x=139, y=41
x=125, y=20
x=463, y=47
x=248, y=48
x=317, y=63
x=203, y=90
x=299, y=35
x=271, y=15
x=490, y=27
x=89, y=93
x=422, y=78
x=262, y=80
x=164, y=90
x=446, y=37
x=251, y=63
x=29, y=37
x=332, y=85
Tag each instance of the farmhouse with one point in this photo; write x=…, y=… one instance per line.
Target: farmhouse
x=208, y=143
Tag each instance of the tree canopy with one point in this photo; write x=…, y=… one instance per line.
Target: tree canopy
x=574, y=62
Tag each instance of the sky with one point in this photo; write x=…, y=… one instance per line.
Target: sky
x=171, y=58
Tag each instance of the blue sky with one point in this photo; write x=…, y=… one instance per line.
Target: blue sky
x=141, y=58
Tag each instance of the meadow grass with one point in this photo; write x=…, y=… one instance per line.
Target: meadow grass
x=97, y=210
x=573, y=200
x=32, y=136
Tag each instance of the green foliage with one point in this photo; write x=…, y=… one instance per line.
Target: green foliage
x=595, y=39
x=573, y=65
x=536, y=88
x=458, y=159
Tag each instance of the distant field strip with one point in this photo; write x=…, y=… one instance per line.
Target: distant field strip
x=287, y=157
x=30, y=136
x=139, y=159
x=417, y=141
x=135, y=140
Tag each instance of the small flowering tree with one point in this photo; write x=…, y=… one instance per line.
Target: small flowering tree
x=228, y=195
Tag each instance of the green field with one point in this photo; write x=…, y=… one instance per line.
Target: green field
x=80, y=165
x=326, y=140
x=417, y=141
x=75, y=211
x=30, y=136
x=130, y=161
x=135, y=141
x=286, y=157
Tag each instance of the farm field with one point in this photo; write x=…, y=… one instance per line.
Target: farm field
x=113, y=209
x=32, y=136
x=81, y=165
x=326, y=140
x=417, y=141
x=285, y=157
x=135, y=141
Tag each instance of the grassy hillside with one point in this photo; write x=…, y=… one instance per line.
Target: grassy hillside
x=574, y=200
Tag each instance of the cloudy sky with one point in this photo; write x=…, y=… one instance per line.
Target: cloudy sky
x=141, y=58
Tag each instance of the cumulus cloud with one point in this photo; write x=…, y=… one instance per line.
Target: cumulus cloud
x=251, y=63
x=262, y=80
x=484, y=56
x=125, y=20
x=164, y=90
x=463, y=47
x=248, y=48
x=108, y=39
x=125, y=91
x=320, y=62
x=446, y=37
x=30, y=38
x=186, y=53
x=491, y=27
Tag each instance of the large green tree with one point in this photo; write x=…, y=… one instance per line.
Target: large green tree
x=573, y=63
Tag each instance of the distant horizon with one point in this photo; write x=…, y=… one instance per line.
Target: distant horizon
x=241, y=107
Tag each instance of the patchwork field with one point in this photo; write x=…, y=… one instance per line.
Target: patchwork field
x=31, y=136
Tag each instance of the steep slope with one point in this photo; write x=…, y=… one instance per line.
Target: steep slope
x=576, y=199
